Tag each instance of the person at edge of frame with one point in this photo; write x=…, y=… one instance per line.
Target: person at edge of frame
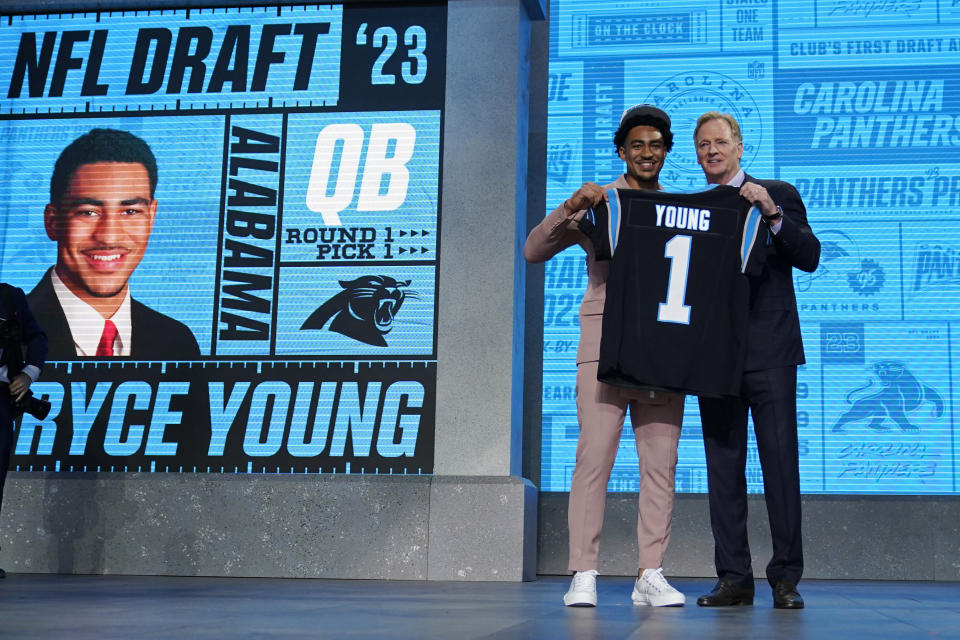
x=23, y=351
x=769, y=386
x=642, y=141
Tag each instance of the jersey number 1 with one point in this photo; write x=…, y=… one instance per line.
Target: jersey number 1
x=677, y=250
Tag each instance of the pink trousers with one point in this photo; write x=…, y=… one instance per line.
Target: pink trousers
x=601, y=409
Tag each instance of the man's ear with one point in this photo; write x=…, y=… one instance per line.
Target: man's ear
x=50, y=222
x=622, y=153
x=153, y=213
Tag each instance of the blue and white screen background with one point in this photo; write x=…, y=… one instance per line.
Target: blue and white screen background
x=855, y=103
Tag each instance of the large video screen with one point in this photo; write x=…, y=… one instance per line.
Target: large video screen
x=226, y=221
x=858, y=105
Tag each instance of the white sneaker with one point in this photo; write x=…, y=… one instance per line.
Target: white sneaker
x=652, y=589
x=583, y=590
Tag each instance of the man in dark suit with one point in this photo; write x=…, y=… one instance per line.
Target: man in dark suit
x=101, y=213
x=23, y=349
x=769, y=386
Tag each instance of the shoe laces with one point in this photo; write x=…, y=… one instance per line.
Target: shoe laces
x=584, y=580
x=655, y=580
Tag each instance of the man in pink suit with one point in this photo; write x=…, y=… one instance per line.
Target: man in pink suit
x=642, y=142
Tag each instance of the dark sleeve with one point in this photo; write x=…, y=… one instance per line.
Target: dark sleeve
x=32, y=334
x=595, y=225
x=795, y=242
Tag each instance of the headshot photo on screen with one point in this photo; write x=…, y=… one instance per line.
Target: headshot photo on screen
x=100, y=215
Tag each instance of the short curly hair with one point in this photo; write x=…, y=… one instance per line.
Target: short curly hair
x=620, y=137
x=101, y=145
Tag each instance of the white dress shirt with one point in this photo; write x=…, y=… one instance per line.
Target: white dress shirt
x=86, y=323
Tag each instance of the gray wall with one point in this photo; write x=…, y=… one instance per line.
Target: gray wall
x=844, y=537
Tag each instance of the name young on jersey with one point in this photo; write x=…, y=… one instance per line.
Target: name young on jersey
x=675, y=217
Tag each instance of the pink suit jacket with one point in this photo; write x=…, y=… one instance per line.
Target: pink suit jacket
x=554, y=234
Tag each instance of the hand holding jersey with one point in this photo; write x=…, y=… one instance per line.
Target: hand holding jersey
x=759, y=196
x=586, y=197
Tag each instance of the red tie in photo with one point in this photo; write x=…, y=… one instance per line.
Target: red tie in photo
x=105, y=348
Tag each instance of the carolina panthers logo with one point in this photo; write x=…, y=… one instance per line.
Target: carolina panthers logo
x=364, y=310
x=899, y=392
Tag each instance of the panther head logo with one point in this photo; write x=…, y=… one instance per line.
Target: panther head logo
x=364, y=310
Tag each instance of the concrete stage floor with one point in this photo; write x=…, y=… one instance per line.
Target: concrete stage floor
x=79, y=607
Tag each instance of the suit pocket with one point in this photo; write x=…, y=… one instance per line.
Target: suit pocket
x=591, y=326
x=592, y=307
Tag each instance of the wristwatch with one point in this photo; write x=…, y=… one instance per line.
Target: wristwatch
x=773, y=219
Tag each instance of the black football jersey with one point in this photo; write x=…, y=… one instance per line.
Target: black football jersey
x=677, y=301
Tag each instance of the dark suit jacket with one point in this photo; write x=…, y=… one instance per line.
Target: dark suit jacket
x=13, y=306
x=774, y=339
x=154, y=336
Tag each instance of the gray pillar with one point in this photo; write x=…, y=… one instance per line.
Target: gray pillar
x=477, y=494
